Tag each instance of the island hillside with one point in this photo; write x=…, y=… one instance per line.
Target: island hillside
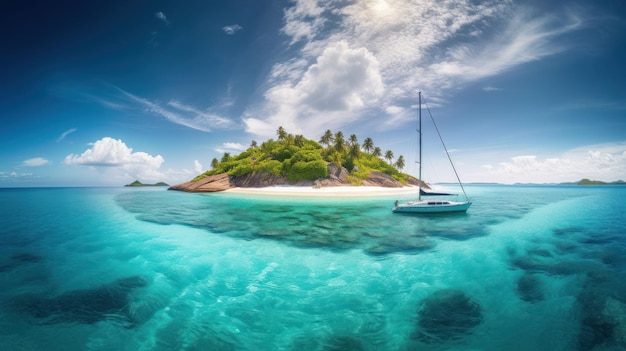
x=295, y=160
x=137, y=183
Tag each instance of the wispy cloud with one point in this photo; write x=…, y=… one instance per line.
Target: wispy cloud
x=490, y=88
x=161, y=16
x=230, y=147
x=65, y=134
x=197, y=166
x=232, y=29
x=35, y=162
x=394, y=48
x=179, y=113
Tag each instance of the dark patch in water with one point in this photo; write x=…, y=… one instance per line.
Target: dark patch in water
x=530, y=288
x=88, y=306
x=343, y=343
x=446, y=314
x=400, y=244
x=602, y=313
x=568, y=231
x=334, y=226
x=17, y=260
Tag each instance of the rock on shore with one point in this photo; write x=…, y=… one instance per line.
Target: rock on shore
x=337, y=177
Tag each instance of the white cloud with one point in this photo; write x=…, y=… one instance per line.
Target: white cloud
x=341, y=82
x=14, y=175
x=361, y=59
x=176, y=112
x=113, y=153
x=606, y=162
x=234, y=146
x=198, y=166
x=65, y=134
x=490, y=88
x=230, y=147
x=35, y=162
x=232, y=29
x=161, y=16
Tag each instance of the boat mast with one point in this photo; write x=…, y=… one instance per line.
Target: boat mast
x=419, y=131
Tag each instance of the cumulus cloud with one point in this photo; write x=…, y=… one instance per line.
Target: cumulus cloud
x=232, y=29
x=35, y=162
x=341, y=82
x=606, y=162
x=359, y=59
x=114, y=153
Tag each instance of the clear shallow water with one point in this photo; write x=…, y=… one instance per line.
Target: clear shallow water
x=527, y=268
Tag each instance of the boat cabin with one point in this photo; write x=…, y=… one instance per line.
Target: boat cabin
x=438, y=203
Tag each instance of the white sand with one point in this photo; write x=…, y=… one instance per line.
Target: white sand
x=336, y=191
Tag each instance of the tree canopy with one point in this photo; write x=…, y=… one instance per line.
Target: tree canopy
x=298, y=158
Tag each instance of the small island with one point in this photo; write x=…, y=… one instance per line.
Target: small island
x=293, y=160
x=137, y=183
x=586, y=181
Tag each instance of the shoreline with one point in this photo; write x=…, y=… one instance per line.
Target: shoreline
x=336, y=191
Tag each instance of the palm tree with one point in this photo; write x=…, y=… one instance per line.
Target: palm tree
x=298, y=140
x=253, y=144
x=226, y=157
x=214, y=163
x=327, y=138
x=400, y=163
x=355, y=151
x=377, y=152
x=353, y=140
x=368, y=144
x=389, y=156
x=289, y=139
x=281, y=133
x=339, y=141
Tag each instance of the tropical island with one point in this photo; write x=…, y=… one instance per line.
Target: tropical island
x=293, y=160
x=137, y=183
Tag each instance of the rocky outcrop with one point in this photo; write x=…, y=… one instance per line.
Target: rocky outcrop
x=218, y=182
x=381, y=179
x=336, y=177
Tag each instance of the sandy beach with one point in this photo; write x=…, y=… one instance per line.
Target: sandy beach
x=338, y=191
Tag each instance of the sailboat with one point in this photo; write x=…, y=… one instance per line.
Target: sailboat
x=426, y=205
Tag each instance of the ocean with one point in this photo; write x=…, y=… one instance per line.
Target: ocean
x=526, y=268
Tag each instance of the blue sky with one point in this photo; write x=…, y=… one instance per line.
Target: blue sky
x=106, y=92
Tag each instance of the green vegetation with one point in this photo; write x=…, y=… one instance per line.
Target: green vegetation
x=137, y=183
x=298, y=158
x=586, y=181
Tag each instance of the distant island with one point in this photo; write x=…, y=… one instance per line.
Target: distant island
x=294, y=160
x=137, y=183
x=586, y=181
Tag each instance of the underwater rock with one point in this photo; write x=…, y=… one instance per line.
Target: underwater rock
x=405, y=245
x=88, y=306
x=530, y=288
x=603, y=318
x=447, y=314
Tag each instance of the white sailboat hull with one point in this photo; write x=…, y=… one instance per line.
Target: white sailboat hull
x=427, y=206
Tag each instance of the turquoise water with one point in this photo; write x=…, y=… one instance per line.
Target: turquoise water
x=527, y=268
